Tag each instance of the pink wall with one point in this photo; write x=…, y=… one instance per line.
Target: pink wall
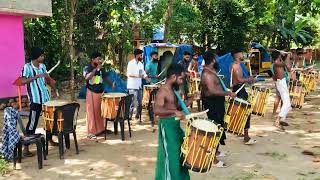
x=11, y=53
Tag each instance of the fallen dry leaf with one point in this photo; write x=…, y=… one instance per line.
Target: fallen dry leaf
x=307, y=152
x=316, y=160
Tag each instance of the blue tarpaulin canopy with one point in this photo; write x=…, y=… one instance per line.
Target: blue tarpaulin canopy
x=265, y=57
x=121, y=85
x=180, y=49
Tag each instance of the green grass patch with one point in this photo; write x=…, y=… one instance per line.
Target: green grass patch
x=275, y=155
x=3, y=165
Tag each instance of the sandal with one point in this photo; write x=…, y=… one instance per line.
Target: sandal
x=220, y=164
x=250, y=142
x=92, y=137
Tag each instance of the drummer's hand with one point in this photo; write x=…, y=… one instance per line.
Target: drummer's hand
x=252, y=79
x=180, y=115
x=232, y=94
x=99, y=66
x=191, y=99
x=157, y=76
x=57, y=93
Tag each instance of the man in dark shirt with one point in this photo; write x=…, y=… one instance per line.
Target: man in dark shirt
x=185, y=64
x=95, y=75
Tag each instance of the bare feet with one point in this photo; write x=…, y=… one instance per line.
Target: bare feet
x=279, y=126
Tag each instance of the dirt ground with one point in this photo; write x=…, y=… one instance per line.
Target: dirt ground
x=275, y=156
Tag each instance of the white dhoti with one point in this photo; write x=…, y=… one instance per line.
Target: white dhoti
x=282, y=88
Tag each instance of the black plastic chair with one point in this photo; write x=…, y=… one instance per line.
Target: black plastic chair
x=70, y=116
x=123, y=114
x=37, y=139
x=150, y=106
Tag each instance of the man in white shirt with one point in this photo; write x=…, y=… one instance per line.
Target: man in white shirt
x=135, y=73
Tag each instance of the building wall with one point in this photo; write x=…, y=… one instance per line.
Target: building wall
x=11, y=53
x=26, y=7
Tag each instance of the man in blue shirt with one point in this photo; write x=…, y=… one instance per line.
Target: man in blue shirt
x=33, y=76
x=152, y=67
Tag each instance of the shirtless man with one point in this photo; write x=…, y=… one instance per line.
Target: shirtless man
x=170, y=135
x=213, y=97
x=237, y=81
x=289, y=74
x=281, y=86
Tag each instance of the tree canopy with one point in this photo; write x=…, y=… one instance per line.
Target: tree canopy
x=111, y=26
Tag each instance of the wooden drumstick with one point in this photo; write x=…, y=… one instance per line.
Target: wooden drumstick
x=55, y=66
x=240, y=88
x=164, y=69
x=189, y=116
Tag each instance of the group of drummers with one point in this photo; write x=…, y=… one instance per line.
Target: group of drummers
x=229, y=110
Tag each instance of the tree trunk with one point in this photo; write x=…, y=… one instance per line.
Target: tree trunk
x=167, y=20
x=71, y=47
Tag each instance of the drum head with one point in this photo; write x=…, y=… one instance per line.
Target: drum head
x=114, y=95
x=239, y=100
x=56, y=103
x=261, y=89
x=205, y=125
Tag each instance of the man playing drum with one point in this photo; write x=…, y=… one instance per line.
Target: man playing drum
x=213, y=96
x=282, y=88
x=170, y=135
x=33, y=76
x=95, y=76
x=237, y=81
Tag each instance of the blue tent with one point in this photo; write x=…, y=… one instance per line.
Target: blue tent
x=265, y=57
x=180, y=49
x=121, y=85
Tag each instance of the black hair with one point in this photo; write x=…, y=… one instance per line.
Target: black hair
x=208, y=56
x=186, y=53
x=95, y=55
x=174, y=69
x=154, y=52
x=36, y=53
x=275, y=55
x=299, y=51
x=235, y=51
x=137, y=52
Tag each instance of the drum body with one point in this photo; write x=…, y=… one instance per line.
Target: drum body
x=237, y=113
x=109, y=104
x=194, y=87
x=147, y=89
x=261, y=96
x=309, y=81
x=200, y=144
x=48, y=115
x=297, y=93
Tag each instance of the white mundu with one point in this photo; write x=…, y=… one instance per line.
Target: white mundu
x=204, y=125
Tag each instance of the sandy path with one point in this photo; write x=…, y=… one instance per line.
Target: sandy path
x=276, y=156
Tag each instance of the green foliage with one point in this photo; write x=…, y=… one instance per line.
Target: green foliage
x=3, y=165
